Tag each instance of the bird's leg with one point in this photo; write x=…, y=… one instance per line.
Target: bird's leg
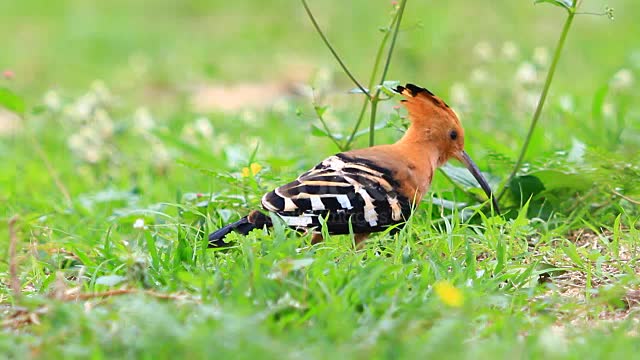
x=359, y=239
x=316, y=238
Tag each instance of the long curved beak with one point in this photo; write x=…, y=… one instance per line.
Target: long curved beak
x=473, y=169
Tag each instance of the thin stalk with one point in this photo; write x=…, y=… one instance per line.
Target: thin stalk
x=335, y=54
x=372, y=121
x=372, y=77
x=393, y=42
x=352, y=136
x=326, y=127
x=543, y=97
x=375, y=99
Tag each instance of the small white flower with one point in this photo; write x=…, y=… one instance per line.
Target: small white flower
x=92, y=155
x=103, y=123
x=101, y=91
x=510, y=51
x=541, y=56
x=203, y=127
x=142, y=120
x=623, y=79
x=526, y=100
x=249, y=117
x=76, y=142
x=531, y=100
x=83, y=107
x=52, y=100
x=86, y=144
x=566, y=103
x=483, y=51
x=479, y=76
x=459, y=94
x=161, y=156
x=139, y=224
x=526, y=73
x=9, y=122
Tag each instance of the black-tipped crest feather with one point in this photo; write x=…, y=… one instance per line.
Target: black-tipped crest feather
x=414, y=91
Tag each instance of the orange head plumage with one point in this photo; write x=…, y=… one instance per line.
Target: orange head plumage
x=433, y=122
x=436, y=127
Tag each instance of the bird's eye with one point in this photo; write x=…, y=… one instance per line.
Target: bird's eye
x=453, y=134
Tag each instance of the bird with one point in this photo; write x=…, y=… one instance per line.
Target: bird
x=372, y=189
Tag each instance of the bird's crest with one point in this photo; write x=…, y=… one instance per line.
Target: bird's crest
x=422, y=104
x=413, y=93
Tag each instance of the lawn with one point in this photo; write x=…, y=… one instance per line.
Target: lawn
x=130, y=131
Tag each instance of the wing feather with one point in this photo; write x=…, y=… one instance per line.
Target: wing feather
x=343, y=190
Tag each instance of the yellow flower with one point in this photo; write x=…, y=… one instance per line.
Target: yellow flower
x=252, y=170
x=448, y=293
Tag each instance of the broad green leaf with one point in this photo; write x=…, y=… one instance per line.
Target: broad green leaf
x=357, y=91
x=320, y=132
x=567, y=4
x=553, y=179
x=447, y=204
x=11, y=101
x=541, y=209
x=317, y=131
x=549, y=269
x=391, y=83
x=463, y=177
x=388, y=87
x=320, y=110
x=524, y=187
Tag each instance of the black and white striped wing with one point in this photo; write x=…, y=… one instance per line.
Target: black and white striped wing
x=343, y=190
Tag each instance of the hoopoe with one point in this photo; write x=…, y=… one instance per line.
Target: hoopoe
x=368, y=190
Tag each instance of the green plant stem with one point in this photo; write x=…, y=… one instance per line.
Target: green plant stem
x=326, y=128
x=372, y=78
x=376, y=96
x=396, y=30
x=543, y=97
x=335, y=54
x=352, y=136
x=372, y=120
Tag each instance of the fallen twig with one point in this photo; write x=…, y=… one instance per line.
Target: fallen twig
x=118, y=292
x=21, y=316
x=625, y=197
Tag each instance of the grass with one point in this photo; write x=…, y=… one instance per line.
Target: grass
x=113, y=184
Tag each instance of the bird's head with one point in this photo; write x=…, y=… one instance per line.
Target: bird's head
x=433, y=122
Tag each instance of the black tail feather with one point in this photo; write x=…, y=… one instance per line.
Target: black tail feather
x=242, y=226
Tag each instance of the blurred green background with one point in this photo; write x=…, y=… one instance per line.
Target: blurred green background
x=67, y=44
x=143, y=119
x=236, y=70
